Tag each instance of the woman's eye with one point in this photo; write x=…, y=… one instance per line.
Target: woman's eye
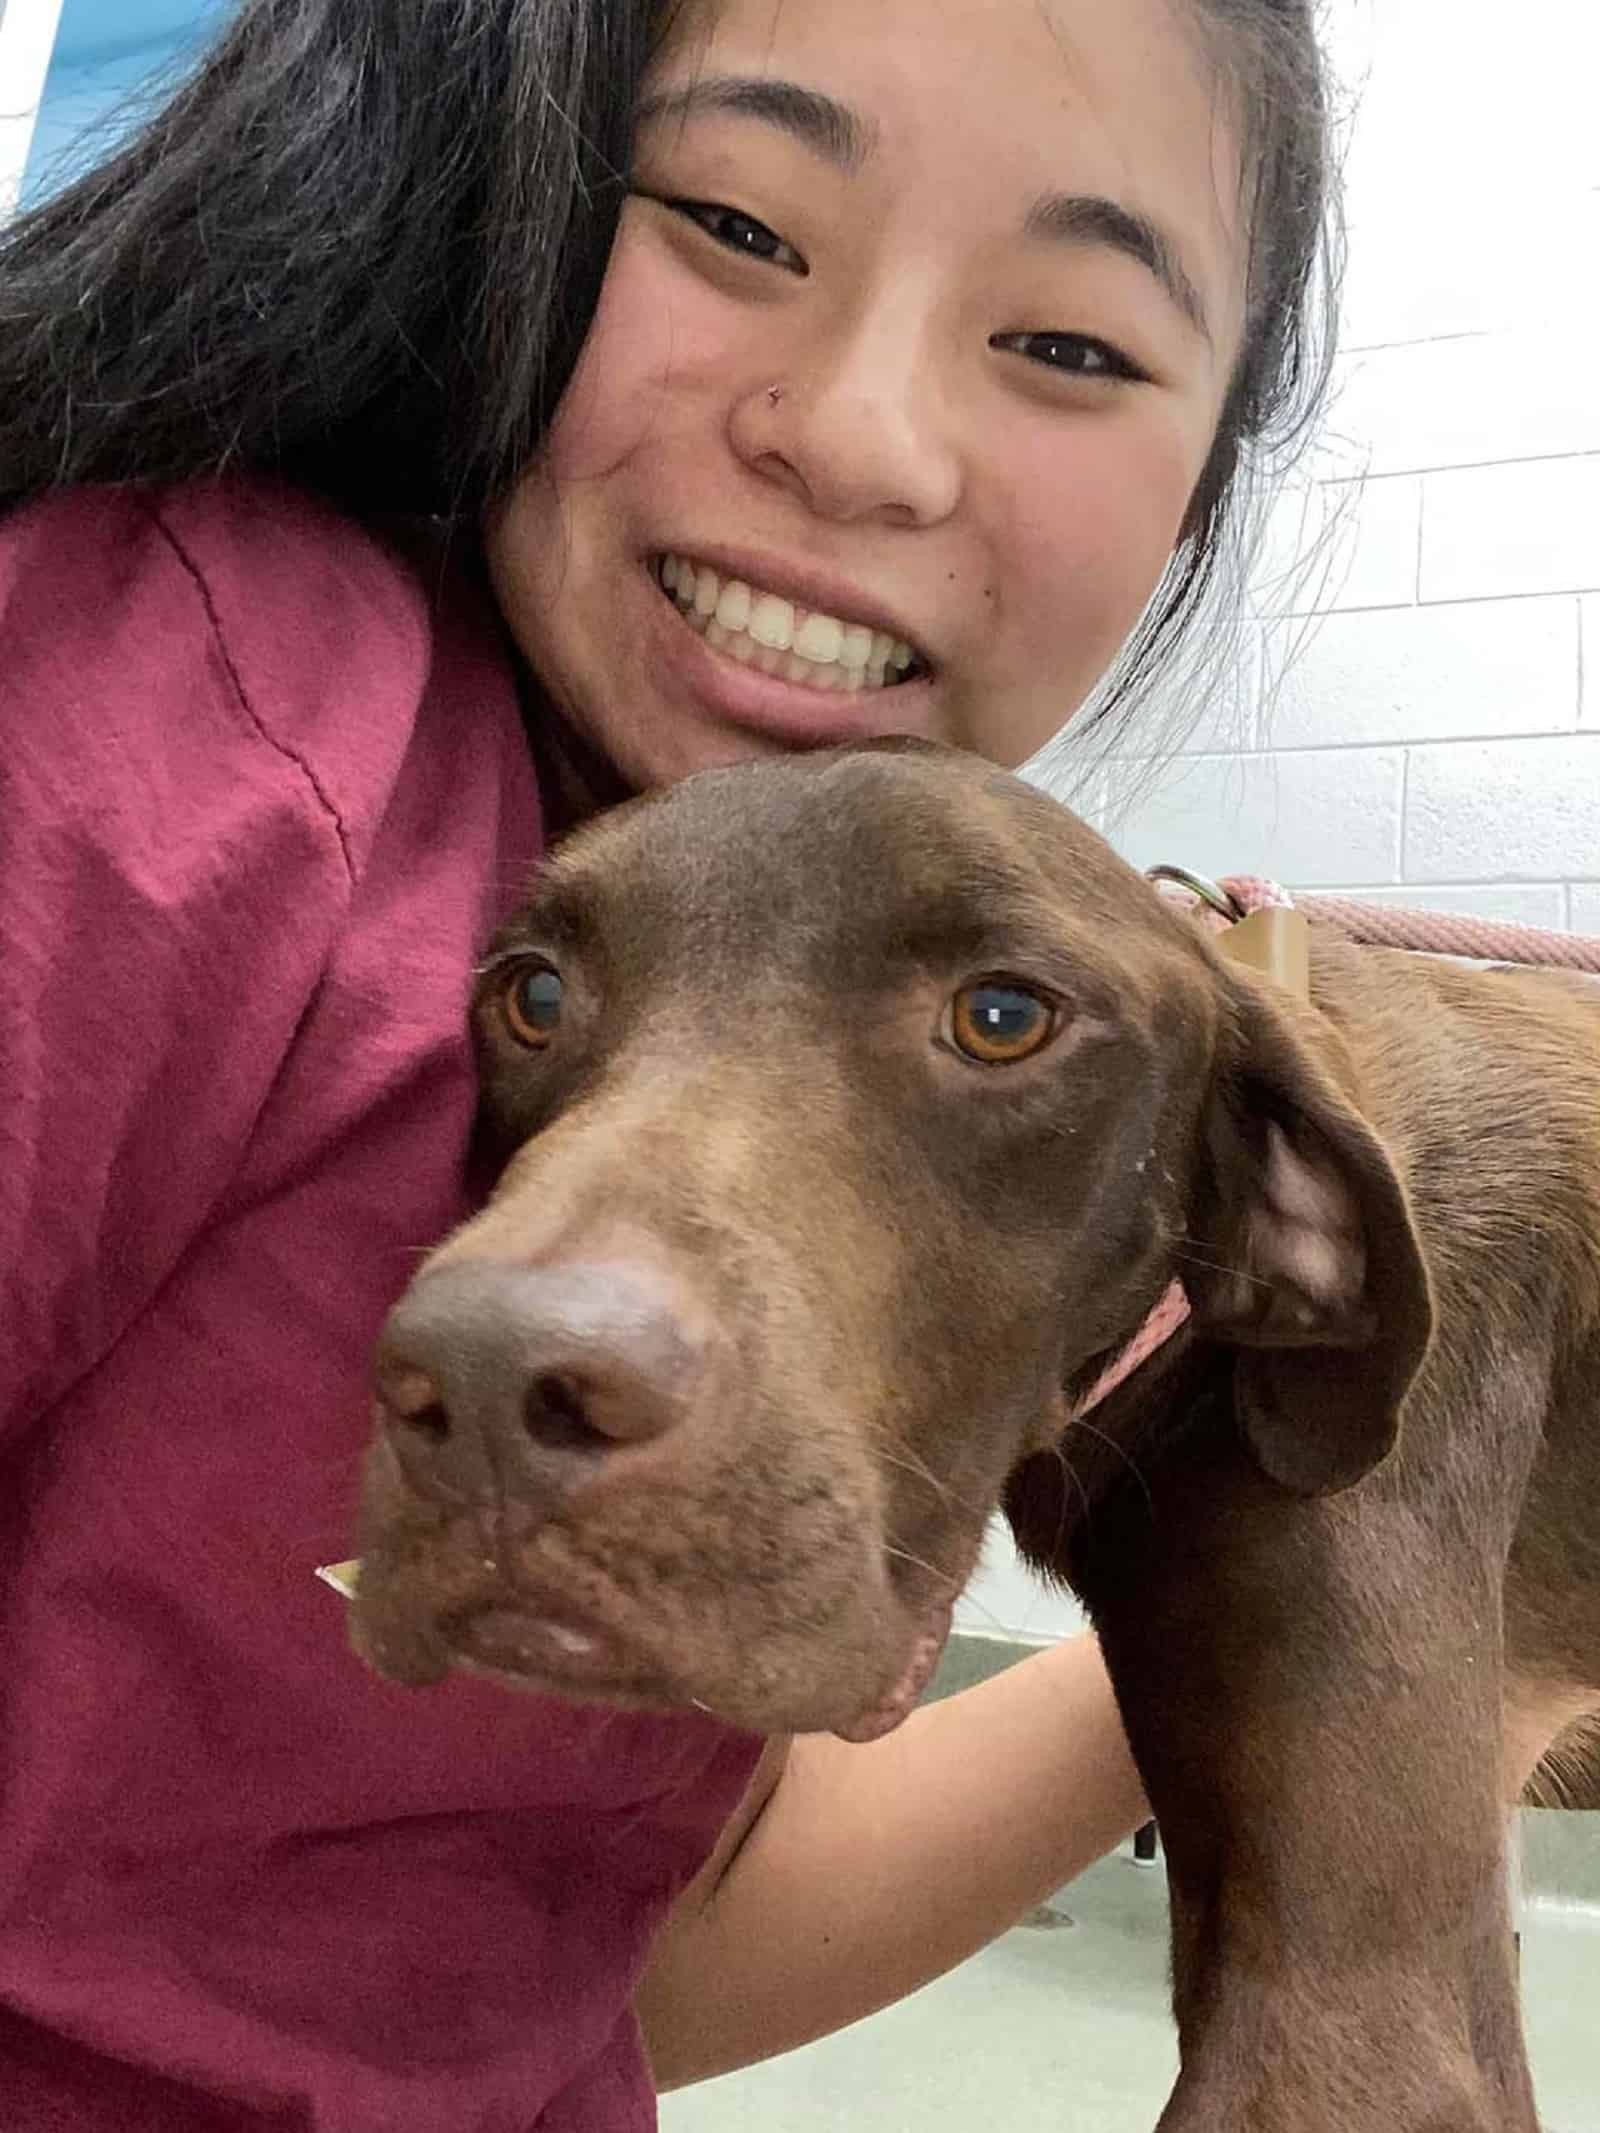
x=532, y=1002
x=997, y=1023
x=1077, y=355
x=740, y=233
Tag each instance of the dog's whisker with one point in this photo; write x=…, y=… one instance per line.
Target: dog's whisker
x=1217, y=1266
x=1076, y=1482
x=917, y=1562
x=1080, y=1422
x=919, y=1471
x=924, y=1473
x=1069, y=1472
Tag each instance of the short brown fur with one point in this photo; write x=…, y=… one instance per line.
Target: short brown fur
x=1341, y=1536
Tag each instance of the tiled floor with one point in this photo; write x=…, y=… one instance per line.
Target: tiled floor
x=1067, y=2031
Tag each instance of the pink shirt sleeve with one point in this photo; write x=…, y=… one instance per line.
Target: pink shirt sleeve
x=264, y=790
x=169, y=877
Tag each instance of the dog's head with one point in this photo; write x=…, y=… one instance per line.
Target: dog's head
x=851, y=1109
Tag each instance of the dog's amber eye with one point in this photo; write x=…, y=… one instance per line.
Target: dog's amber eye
x=533, y=1004
x=998, y=1024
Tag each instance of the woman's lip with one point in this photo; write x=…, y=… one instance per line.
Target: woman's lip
x=802, y=585
x=786, y=711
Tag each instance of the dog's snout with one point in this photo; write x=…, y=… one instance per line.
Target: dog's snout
x=496, y=1379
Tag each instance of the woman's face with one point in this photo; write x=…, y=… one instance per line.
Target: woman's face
x=909, y=357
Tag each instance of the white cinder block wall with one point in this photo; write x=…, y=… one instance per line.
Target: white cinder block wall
x=1432, y=735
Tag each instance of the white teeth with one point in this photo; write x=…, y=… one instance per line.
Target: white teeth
x=764, y=630
x=856, y=649
x=772, y=622
x=733, y=609
x=819, y=639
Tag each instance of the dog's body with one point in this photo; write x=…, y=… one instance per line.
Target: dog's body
x=804, y=1248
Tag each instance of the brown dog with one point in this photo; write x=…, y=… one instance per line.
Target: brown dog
x=853, y=1112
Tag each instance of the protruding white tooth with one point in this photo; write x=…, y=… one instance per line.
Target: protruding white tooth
x=706, y=587
x=716, y=634
x=767, y=659
x=882, y=646
x=856, y=648
x=772, y=622
x=696, y=622
x=742, y=648
x=733, y=608
x=797, y=669
x=901, y=656
x=820, y=639
x=669, y=572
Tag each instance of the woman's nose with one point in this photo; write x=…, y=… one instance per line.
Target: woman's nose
x=857, y=427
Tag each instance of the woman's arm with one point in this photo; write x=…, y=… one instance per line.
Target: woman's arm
x=852, y=1875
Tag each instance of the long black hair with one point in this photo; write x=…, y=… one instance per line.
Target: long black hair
x=360, y=246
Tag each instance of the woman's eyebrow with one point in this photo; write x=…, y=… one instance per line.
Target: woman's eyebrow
x=821, y=123
x=1090, y=219
x=844, y=138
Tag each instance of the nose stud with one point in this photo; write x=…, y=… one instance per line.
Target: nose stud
x=774, y=394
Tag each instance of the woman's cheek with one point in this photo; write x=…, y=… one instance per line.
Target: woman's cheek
x=1091, y=531
x=659, y=341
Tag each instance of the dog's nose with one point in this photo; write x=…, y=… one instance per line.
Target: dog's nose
x=501, y=1381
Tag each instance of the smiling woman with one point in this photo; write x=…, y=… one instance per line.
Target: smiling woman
x=1001, y=381
x=439, y=423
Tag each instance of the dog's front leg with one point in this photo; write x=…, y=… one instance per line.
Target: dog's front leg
x=1313, y=1693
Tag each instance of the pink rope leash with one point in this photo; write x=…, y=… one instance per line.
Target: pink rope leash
x=1425, y=932
x=1439, y=933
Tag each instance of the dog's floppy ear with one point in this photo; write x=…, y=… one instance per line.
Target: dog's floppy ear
x=1306, y=1258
